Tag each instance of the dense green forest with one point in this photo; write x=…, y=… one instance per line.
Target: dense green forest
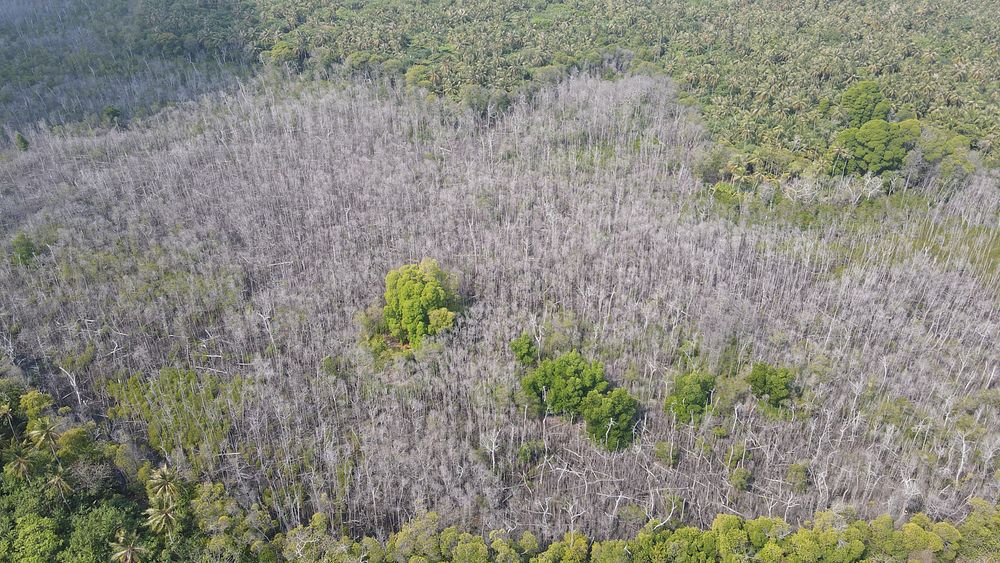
x=768, y=76
x=474, y=281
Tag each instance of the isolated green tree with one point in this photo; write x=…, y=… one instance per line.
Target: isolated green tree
x=771, y=384
x=20, y=142
x=419, y=301
x=610, y=418
x=524, y=349
x=692, y=392
x=560, y=385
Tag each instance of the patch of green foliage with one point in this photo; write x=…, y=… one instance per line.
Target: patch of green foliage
x=798, y=477
x=560, y=385
x=571, y=386
x=61, y=501
x=184, y=411
x=20, y=142
x=864, y=102
x=773, y=385
x=740, y=479
x=610, y=418
x=691, y=396
x=420, y=301
x=524, y=349
x=875, y=147
x=23, y=249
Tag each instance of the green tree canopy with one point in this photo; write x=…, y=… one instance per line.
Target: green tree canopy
x=610, y=418
x=773, y=384
x=524, y=349
x=691, y=395
x=877, y=146
x=419, y=301
x=864, y=102
x=560, y=385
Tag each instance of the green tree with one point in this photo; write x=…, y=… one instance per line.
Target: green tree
x=93, y=532
x=165, y=484
x=771, y=384
x=559, y=385
x=34, y=403
x=20, y=142
x=524, y=349
x=864, y=102
x=692, y=392
x=36, y=540
x=42, y=431
x=876, y=147
x=980, y=531
x=419, y=301
x=610, y=418
x=162, y=516
x=127, y=549
x=20, y=464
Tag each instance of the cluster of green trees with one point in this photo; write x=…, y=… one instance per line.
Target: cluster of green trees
x=66, y=497
x=773, y=385
x=570, y=386
x=876, y=143
x=768, y=86
x=692, y=395
x=69, y=496
x=830, y=536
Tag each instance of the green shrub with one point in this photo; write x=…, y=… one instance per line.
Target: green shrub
x=530, y=452
x=798, y=477
x=740, y=479
x=20, y=142
x=419, y=301
x=23, y=249
x=524, y=349
x=667, y=453
x=771, y=384
x=691, y=395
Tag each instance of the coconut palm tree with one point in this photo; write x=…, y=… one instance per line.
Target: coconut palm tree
x=161, y=517
x=43, y=433
x=164, y=483
x=7, y=415
x=126, y=548
x=20, y=464
x=59, y=483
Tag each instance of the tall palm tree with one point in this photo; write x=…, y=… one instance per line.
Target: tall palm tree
x=126, y=549
x=19, y=465
x=161, y=517
x=59, y=483
x=7, y=415
x=43, y=433
x=164, y=483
